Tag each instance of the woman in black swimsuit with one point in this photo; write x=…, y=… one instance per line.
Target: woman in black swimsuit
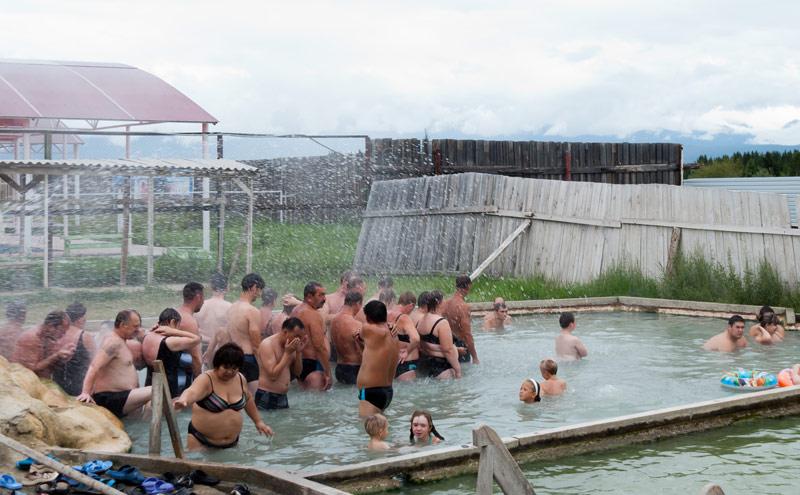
x=437, y=341
x=217, y=398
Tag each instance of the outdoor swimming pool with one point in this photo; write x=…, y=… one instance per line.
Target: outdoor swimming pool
x=637, y=362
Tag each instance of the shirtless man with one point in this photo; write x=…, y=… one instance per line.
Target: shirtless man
x=280, y=357
x=551, y=385
x=498, y=318
x=768, y=331
x=730, y=339
x=345, y=334
x=316, y=373
x=268, y=297
x=379, y=362
x=213, y=316
x=407, y=336
x=38, y=349
x=456, y=310
x=568, y=346
x=289, y=302
x=16, y=312
x=167, y=343
x=335, y=301
x=244, y=327
x=193, y=300
x=384, y=284
x=112, y=381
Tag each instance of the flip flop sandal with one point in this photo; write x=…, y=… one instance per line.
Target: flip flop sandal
x=126, y=474
x=240, y=490
x=9, y=483
x=36, y=477
x=184, y=480
x=96, y=467
x=54, y=488
x=201, y=478
x=157, y=486
x=25, y=464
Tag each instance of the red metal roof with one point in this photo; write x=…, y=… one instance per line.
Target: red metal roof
x=91, y=91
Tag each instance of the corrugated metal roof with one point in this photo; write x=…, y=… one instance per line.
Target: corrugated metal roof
x=132, y=167
x=786, y=186
x=91, y=91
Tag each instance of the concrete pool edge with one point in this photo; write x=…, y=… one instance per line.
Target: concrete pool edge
x=643, y=304
x=552, y=443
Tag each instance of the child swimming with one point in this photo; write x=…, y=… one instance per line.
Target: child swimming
x=422, y=431
x=530, y=391
x=552, y=385
x=377, y=427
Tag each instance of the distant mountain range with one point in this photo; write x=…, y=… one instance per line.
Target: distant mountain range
x=259, y=148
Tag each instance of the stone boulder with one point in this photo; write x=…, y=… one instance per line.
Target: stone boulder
x=38, y=413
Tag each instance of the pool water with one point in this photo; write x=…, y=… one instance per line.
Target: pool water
x=747, y=457
x=637, y=362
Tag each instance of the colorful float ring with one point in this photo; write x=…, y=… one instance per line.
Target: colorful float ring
x=785, y=378
x=749, y=381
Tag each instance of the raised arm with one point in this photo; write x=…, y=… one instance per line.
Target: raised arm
x=197, y=390
x=178, y=340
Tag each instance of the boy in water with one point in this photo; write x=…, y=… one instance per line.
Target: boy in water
x=377, y=427
x=568, y=346
x=552, y=385
x=530, y=391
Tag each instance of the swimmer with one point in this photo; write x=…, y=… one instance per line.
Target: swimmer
x=378, y=363
x=407, y=336
x=16, y=312
x=280, y=357
x=213, y=316
x=39, y=349
x=268, y=297
x=436, y=341
x=568, y=346
x=498, y=318
x=289, y=302
x=335, y=301
x=456, y=310
x=384, y=284
x=69, y=374
x=193, y=300
x=422, y=308
x=377, y=427
x=167, y=343
x=768, y=329
x=345, y=336
x=316, y=372
x=388, y=297
x=730, y=339
x=244, y=327
x=529, y=391
x=552, y=385
x=422, y=431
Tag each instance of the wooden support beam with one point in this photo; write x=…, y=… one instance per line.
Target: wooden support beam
x=162, y=408
x=497, y=252
x=674, y=246
x=497, y=464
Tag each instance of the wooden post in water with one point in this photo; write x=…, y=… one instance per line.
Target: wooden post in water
x=162, y=407
x=497, y=464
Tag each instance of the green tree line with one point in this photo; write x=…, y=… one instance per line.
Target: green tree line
x=748, y=164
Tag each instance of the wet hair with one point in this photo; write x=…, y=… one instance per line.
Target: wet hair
x=229, y=355
x=124, y=317
x=311, y=289
x=191, y=290
x=566, y=319
x=268, y=296
x=375, y=424
x=549, y=366
x=427, y=415
x=55, y=318
x=347, y=275
x=775, y=320
x=463, y=282
x=352, y=298
x=387, y=296
x=169, y=315
x=76, y=311
x=499, y=306
x=292, y=323
x=16, y=310
x=422, y=300
x=763, y=312
x=219, y=282
x=354, y=282
x=252, y=279
x=407, y=297
x=735, y=319
x=375, y=311
x=386, y=282
x=435, y=298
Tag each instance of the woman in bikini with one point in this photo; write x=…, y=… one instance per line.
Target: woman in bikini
x=217, y=398
x=422, y=432
x=437, y=341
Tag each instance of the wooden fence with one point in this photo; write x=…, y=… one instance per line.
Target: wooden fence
x=577, y=230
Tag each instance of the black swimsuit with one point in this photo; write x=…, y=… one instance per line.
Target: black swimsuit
x=436, y=365
x=69, y=376
x=177, y=367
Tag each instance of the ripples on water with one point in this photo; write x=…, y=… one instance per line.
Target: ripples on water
x=637, y=362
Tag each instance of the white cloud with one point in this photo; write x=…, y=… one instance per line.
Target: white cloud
x=568, y=67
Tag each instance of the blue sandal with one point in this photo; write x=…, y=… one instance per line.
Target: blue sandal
x=9, y=483
x=127, y=474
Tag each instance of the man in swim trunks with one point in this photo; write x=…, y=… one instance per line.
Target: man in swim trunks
x=456, y=310
x=213, y=316
x=345, y=332
x=38, y=349
x=280, y=357
x=335, y=301
x=730, y=339
x=498, y=318
x=407, y=336
x=112, y=381
x=379, y=362
x=244, y=327
x=16, y=312
x=316, y=373
x=193, y=299
x=568, y=346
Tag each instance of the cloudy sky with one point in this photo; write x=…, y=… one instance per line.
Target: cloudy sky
x=565, y=68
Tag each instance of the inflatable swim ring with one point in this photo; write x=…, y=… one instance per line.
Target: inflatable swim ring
x=749, y=381
x=785, y=378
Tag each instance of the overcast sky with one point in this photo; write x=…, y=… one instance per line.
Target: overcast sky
x=565, y=68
